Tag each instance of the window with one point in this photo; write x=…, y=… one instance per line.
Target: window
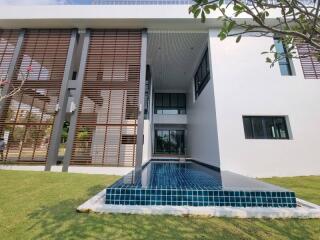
x=284, y=63
x=169, y=142
x=170, y=103
x=147, y=92
x=202, y=76
x=74, y=75
x=262, y=127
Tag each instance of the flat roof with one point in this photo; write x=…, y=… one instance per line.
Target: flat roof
x=159, y=17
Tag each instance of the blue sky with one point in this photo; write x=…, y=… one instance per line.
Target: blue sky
x=43, y=2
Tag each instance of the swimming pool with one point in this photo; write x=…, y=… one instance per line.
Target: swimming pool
x=192, y=184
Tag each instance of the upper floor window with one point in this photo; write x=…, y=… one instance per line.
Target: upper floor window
x=170, y=103
x=202, y=76
x=265, y=127
x=147, y=92
x=284, y=62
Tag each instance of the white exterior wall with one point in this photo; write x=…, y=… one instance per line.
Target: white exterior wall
x=147, y=143
x=202, y=136
x=245, y=85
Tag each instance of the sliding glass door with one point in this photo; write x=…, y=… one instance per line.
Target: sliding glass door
x=169, y=142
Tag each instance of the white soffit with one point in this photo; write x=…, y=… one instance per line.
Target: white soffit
x=173, y=57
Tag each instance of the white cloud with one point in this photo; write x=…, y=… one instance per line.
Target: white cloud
x=31, y=2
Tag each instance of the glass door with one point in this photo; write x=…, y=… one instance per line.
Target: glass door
x=169, y=142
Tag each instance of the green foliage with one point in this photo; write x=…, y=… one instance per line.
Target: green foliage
x=83, y=134
x=297, y=22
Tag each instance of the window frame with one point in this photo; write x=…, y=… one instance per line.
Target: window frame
x=284, y=61
x=200, y=81
x=263, y=120
x=161, y=108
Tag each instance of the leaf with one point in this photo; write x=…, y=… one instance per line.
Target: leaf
x=203, y=17
x=196, y=13
x=271, y=47
x=222, y=35
x=206, y=9
x=238, y=38
x=221, y=2
x=268, y=60
x=191, y=9
x=230, y=26
x=237, y=8
x=212, y=6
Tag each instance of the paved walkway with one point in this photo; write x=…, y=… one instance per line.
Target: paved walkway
x=119, y=171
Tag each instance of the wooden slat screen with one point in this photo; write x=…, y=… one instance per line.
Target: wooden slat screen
x=8, y=41
x=29, y=115
x=310, y=65
x=109, y=100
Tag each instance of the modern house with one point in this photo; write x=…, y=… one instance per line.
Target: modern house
x=117, y=83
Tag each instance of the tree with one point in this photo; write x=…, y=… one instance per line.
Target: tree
x=12, y=88
x=297, y=22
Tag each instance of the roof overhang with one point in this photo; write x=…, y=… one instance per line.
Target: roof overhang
x=168, y=17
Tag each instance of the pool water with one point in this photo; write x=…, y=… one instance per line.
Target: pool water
x=192, y=184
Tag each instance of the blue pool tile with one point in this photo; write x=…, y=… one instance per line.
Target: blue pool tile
x=191, y=184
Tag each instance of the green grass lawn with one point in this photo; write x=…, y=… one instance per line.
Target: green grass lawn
x=41, y=205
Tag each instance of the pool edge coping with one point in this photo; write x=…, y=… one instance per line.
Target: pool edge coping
x=305, y=210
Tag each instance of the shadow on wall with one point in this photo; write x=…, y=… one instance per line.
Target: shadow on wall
x=61, y=221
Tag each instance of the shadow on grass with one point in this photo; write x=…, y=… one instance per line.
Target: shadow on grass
x=61, y=221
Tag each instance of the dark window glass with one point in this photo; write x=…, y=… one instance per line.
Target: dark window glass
x=147, y=93
x=74, y=75
x=265, y=127
x=166, y=100
x=248, y=127
x=269, y=125
x=169, y=141
x=284, y=63
x=257, y=127
x=202, y=76
x=170, y=103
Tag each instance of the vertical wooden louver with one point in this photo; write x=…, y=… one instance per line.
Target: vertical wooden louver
x=310, y=64
x=29, y=115
x=107, y=120
x=8, y=41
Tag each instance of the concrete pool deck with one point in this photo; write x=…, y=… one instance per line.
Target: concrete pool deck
x=304, y=210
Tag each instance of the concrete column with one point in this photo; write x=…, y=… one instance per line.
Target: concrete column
x=77, y=98
x=142, y=84
x=62, y=105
